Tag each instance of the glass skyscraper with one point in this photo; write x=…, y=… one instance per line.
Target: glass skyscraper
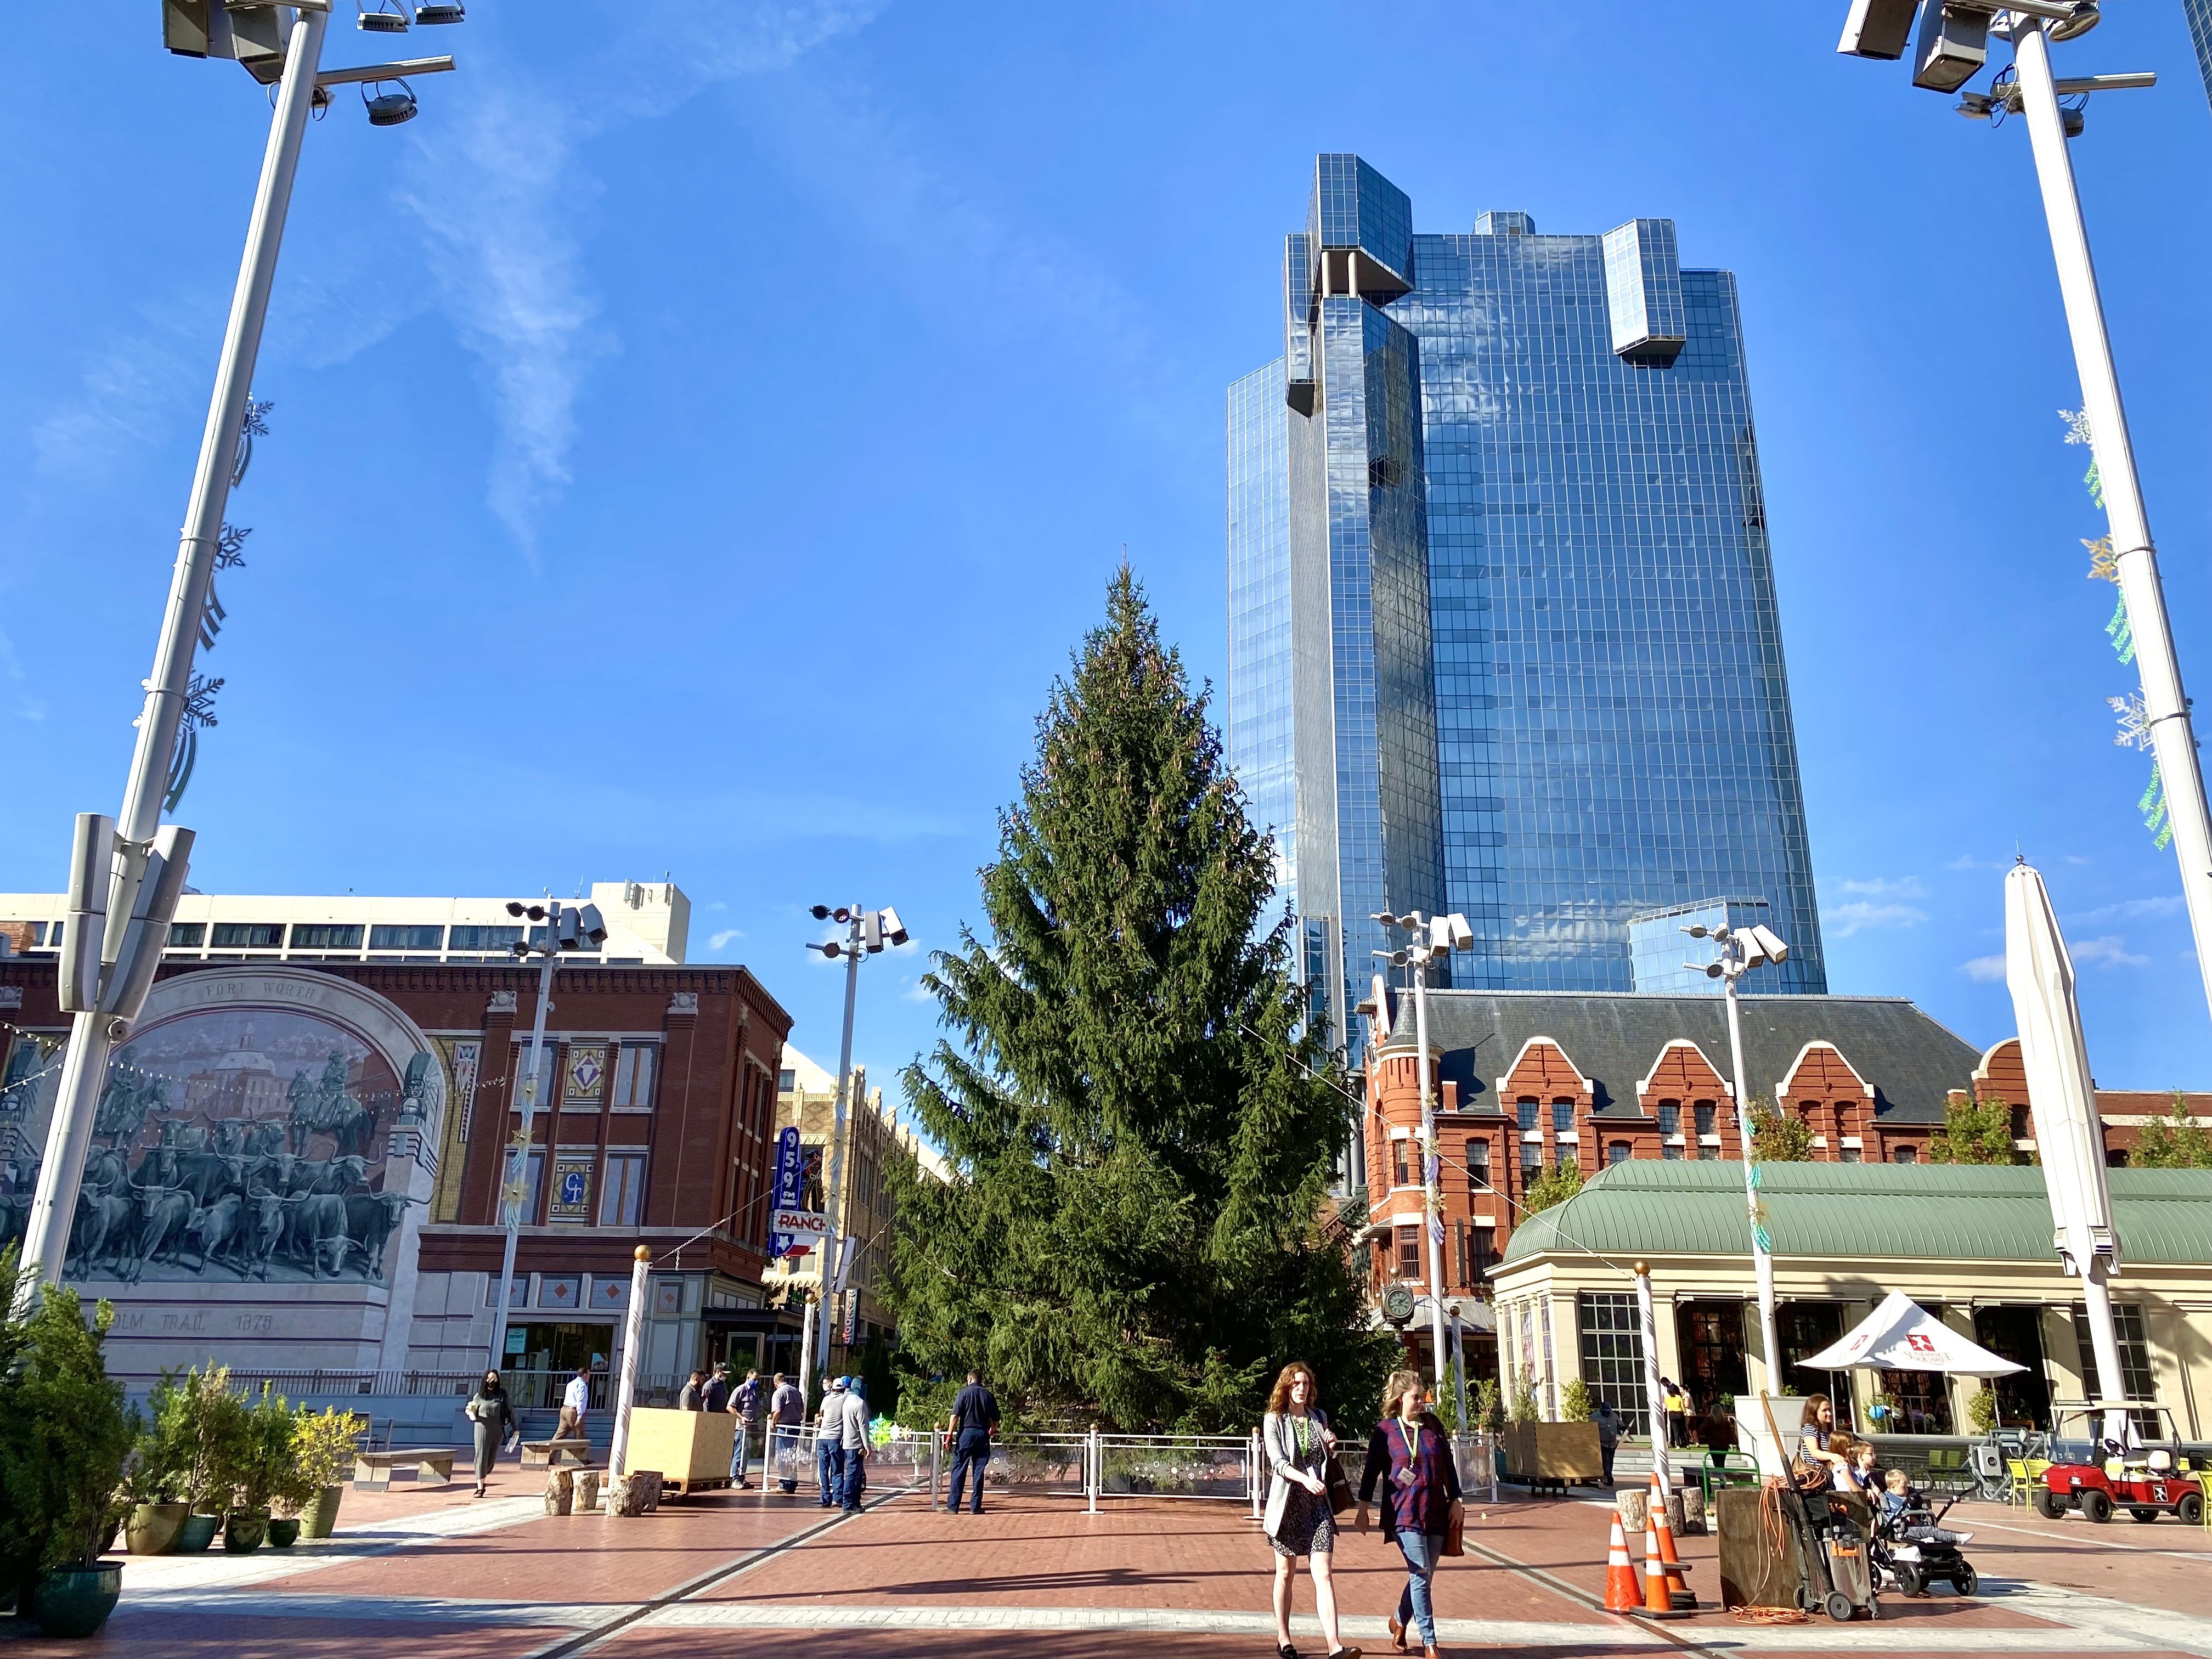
x=1503, y=636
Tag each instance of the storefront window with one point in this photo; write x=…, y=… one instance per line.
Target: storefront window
x=1611, y=1345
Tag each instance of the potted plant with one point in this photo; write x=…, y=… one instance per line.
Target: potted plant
x=207, y=1423
x=154, y=1487
x=322, y=1450
x=64, y=1436
x=265, y=1457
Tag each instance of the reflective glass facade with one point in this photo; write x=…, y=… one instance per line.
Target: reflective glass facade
x=1535, y=671
x=2200, y=35
x=1664, y=960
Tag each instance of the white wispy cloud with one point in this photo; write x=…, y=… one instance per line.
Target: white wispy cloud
x=2165, y=904
x=1844, y=919
x=1904, y=887
x=1968, y=861
x=718, y=941
x=139, y=384
x=1988, y=970
x=508, y=207
x=2110, y=951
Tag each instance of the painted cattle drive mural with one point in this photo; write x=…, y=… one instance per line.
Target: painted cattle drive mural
x=240, y=1139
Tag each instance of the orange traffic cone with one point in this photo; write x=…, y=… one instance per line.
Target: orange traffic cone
x=1678, y=1581
x=1658, y=1599
x=1621, y=1595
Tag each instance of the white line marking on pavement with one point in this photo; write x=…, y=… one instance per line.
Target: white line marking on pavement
x=216, y=1571
x=434, y=1609
x=1818, y=1636
x=2157, y=1627
x=2077, y=1534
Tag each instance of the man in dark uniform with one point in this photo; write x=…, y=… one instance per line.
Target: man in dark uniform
x=975, y=1418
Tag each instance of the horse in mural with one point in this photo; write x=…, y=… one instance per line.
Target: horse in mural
x=130, y=1098
x=321, y=1105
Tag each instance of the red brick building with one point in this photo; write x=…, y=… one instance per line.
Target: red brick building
x=1527, y=1080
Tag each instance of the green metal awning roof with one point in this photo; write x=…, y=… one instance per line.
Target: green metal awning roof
x=1944, y=1211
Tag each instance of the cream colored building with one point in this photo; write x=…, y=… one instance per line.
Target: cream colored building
x=1973, y=1243
x=807, y=1095
x=649, y=924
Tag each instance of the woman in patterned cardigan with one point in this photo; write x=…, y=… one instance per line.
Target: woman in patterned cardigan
x=1409, y=1453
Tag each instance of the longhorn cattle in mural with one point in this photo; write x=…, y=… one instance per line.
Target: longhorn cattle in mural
x=232, y=1145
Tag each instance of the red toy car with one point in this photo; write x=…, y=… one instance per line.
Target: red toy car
x=2146, y=1474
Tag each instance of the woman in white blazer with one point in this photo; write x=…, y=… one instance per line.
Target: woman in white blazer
x=1299, y=1521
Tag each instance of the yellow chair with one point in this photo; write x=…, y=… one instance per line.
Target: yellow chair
x=2027, y=1474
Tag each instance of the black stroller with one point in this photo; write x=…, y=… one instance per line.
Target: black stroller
x=1913, y=1549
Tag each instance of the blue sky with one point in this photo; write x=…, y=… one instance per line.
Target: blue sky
x=701, y=435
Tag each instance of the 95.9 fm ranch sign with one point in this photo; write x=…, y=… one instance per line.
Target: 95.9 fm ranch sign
x=800, y=1222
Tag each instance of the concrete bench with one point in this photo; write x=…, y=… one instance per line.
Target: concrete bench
x=547, y=1454
x=371, y=1470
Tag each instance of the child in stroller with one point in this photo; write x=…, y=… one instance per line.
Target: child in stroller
x=1911, y=1547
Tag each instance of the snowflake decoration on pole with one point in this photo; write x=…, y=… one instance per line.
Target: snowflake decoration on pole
x=199, y=711
x=2077, y=421
x=2135, y=721
x=255, y=425
x=2103, y=566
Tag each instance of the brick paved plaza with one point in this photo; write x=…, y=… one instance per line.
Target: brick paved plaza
x=430, y=1570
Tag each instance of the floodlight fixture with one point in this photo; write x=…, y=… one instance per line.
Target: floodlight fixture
x=1878, y=28
x=2086, y=17
x=1697, y=930
x=388, y=109
x=820, y=913
x=385, y=17
x=429, y=16
x=1712, y=970
x=513, y=907
x=1388, y=919
x=1953, y=47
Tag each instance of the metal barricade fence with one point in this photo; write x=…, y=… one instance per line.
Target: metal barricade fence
x=903, y=1462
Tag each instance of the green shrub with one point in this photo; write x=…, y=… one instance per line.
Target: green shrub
x=1982, y=1409
x=1485, y=1407
x=1524, y=1397
x=322, y=1451
x=210, y=1428
x=1575, y=1402
x=65, y=1433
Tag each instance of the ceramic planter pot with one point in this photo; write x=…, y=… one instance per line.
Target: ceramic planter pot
x=197, y=1533
x=321, y=1514
x=151, y=1529
x=243, y=1529
x=283, y=1533
x=75, y=1602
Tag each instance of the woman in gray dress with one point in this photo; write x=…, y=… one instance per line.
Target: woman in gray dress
x=492, y=1414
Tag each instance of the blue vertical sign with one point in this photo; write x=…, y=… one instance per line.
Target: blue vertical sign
x=785, y=1195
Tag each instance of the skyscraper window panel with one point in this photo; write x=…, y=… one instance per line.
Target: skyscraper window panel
x=1498, y=487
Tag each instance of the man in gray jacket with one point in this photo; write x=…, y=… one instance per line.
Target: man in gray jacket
x=828, y=1444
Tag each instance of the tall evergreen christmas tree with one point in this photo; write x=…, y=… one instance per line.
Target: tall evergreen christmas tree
x=1139, y=1120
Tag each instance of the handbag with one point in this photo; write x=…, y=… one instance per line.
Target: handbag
x=1339, y=1484
x=1455, y=1529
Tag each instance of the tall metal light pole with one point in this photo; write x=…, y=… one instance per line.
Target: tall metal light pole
x=1945, y=59
x=126, y=847
x=866, y=934
x=1430, y=939
x=565, y=930
x=1742, y=949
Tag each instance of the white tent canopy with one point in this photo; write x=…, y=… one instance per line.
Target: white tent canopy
x=1901, y=1335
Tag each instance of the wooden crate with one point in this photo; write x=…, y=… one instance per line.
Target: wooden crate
x=692, y=1449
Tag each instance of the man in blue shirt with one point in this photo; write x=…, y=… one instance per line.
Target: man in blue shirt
x=975, y=1417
